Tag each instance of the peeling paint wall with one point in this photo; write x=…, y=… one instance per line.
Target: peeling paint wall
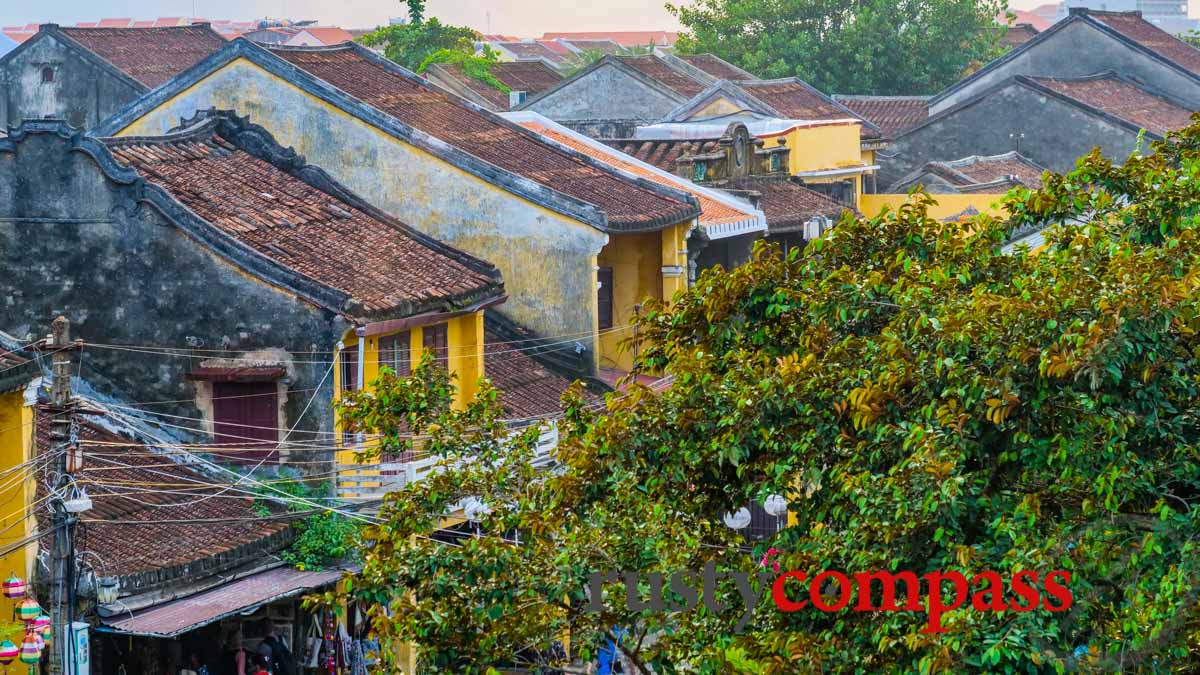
x=544, y=257
x=73, y=242
x=80, y=93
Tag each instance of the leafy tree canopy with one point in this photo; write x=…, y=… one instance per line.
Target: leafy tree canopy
x=848, y=46
x=925, y=402
x=412, y=43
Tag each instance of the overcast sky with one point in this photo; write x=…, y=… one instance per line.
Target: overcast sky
x=519, y=17
x=525, y=18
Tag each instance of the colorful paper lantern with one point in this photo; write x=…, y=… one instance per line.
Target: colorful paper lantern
x=8, y=652
x=31, y=650
x=41, y=621
x=28, y=610
x=47, y=633
x=14, y=587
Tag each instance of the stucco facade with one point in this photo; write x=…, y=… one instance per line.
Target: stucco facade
x=607, y=92
x=49, y=77
x=1076, y=48
x=1046, y=129
x=82, y=240
x=545, y=257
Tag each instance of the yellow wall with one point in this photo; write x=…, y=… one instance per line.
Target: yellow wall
x=948, y=205
x=545, y=257
x=641, y=269
x=16, y=447
x=464, y=337
x=830, y=146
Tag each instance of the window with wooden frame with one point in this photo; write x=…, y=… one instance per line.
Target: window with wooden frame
x=350, y=369
x=246, y=420
x=437, y=338
x=395, y=352
x=604, y=296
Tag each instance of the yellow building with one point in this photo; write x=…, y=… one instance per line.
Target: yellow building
x=17, y=489
x=545, y=216
x=830, y=144
x=962, y=187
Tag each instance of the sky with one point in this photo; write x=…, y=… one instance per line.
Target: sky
x=525, y=18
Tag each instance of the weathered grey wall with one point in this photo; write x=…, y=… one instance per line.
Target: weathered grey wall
x=1056, y=134
x=74, y=242
x=546, y=258
x=607, y=129
x=606, y=93
x=1076, y=51
x=81, y=93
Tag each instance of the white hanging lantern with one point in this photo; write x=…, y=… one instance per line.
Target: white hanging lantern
x=775, y=505
x=739, y=520
x=474, y=509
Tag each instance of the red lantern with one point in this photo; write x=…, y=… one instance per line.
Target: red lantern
x=14, y=588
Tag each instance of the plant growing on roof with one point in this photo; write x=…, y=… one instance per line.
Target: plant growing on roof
x=924, y=400
x=477, y=67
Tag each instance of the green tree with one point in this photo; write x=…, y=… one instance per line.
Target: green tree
x=924, y=400
x=412, y=43
x=848, y=46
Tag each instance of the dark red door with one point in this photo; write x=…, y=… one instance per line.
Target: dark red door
x=245, y=418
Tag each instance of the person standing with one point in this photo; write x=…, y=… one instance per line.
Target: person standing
x=233, y=659
x=278, y=656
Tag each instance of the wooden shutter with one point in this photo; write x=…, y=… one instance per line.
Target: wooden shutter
x=246, y=419
x=437, y=339
x=604, y=296
x=350, y=368
x=395, y=352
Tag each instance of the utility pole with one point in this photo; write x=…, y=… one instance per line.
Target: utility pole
x=62, y=565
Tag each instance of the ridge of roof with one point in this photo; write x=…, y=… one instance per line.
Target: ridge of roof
x=267, y=59
x=148, y=72
x=418, y=274
x=684, y=209
x=953, y=169
x=1077, y=14
x=608, y=60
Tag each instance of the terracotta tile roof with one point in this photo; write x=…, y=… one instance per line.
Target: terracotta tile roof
x=997, y=167
x=16, y=370
x=717, y=67
x=1029, y=18
x=797, y=100
x=711, y=211
x=606, y=46
x=327, y=35
x=1123, y=99
x=660, y=71
x=995, y=173
x=111, y=472
x=149, y=55
x=532, y=50
x=533, y=77
x=527, y=387
x=661, y=153
x=892, y=114
x=555, y=46
x=628, y=38
x=412, y=101
x=787, y=205
x=386, y=268
x=1018, y=34
x=1134, y=27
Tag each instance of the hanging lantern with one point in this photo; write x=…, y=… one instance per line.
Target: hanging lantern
x=47, y=634
x=31, y=650
x=37, y=635
x=738, y=520
x=14, y=588
x=8, y=652
x=42, y=621
x=775, y=505
x=28, y=610
x=108, y=590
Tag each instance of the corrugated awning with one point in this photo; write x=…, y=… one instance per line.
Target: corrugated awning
x=177, y=617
